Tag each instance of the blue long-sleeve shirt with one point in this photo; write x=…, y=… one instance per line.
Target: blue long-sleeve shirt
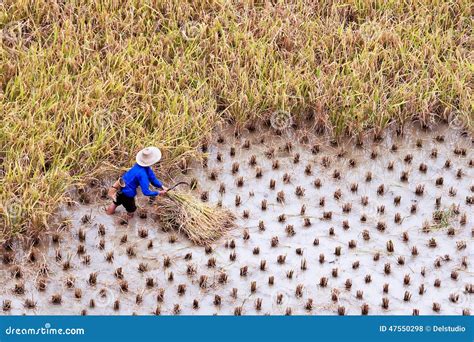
x=139, y=176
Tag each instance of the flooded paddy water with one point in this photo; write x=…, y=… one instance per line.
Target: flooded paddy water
x=381, y=228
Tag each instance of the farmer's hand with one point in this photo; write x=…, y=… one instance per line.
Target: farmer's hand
x=162, y=192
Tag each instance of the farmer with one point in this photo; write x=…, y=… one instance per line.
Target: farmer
x=141, y=175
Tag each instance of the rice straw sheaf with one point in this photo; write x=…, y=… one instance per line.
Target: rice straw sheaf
x=201, y=223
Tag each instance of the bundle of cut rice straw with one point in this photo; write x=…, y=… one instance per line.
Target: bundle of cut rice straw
x=201, y=223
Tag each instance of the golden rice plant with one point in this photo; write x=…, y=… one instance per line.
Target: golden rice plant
x=84, y=85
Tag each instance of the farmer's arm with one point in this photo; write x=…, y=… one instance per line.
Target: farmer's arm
x=144, y=185
x=153, y=180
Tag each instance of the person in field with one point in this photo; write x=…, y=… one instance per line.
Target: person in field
x=124, y=191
